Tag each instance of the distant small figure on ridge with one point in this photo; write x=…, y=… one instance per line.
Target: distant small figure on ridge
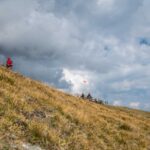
x=83, y=96
x=9, y=63
x=89, y=96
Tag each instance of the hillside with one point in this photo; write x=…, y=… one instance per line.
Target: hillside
x=35, y=116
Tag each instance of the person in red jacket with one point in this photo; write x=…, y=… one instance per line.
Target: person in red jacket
x=9, y=63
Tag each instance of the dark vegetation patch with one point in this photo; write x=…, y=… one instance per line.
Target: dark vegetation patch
x=22, y=124
x=125, y=127
x=53, y=121
x=7, y=79
x=34, y=114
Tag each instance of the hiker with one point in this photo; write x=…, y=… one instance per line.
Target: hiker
x=82, y=96
x=9, y=63
x=89, y=96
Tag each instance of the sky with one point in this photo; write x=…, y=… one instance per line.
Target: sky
x=98, y=46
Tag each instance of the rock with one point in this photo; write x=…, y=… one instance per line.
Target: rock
x=28, y=146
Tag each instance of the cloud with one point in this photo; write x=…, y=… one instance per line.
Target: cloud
x=79, y=81
x=117, y=103
x=63, y=42
x=134, y=104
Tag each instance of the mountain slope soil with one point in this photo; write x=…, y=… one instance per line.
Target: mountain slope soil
x=36, y=116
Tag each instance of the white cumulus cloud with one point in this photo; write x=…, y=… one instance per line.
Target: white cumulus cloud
x=134, y=104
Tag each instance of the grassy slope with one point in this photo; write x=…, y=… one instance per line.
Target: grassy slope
x=31, y=112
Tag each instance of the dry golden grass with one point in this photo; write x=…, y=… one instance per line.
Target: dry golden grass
x=31, y=112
